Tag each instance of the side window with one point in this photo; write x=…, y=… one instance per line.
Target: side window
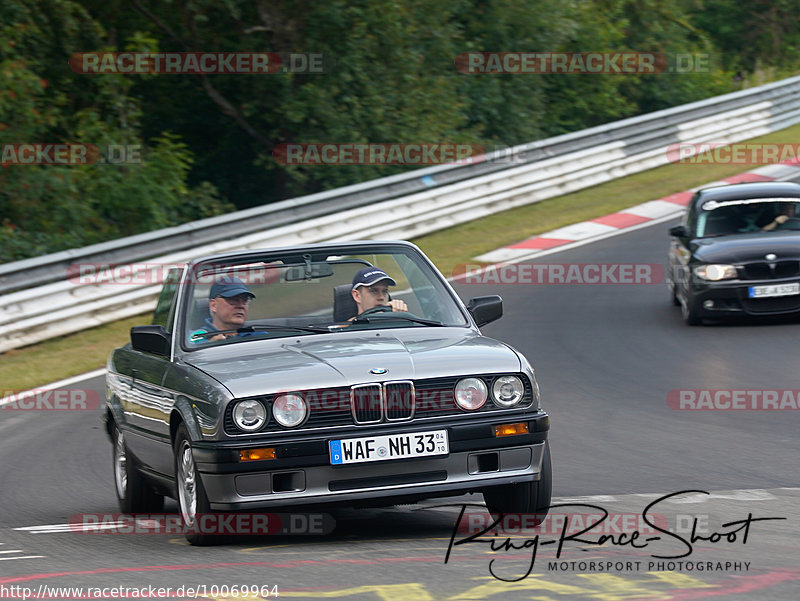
x=165, y=306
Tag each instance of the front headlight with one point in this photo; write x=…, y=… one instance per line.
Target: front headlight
x=507, y=391
x=289, y=410
x=249, y=415
x=470, y=393
x=715, y=272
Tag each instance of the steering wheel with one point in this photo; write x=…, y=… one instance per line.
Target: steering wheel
x=750, y=221
x=373, y=310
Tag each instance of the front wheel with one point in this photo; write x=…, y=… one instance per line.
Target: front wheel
x=526, y=497
x=690, y=311
x=192, y=498
x=134, y=494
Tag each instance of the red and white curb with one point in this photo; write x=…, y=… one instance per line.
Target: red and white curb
x=644, y=214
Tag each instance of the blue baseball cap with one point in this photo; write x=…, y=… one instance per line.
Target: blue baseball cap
x=369, y=276
x=228, y=286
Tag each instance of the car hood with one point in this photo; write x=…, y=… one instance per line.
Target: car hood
x=343, y=359
x=742, y=248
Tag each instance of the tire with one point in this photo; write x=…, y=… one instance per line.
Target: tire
x=526, y=497
x=134, y=493
x=191, y=496
x=689, y=311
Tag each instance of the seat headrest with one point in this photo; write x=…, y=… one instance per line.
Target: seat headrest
x=344, y=306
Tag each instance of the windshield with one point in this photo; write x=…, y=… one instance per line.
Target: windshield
x=747, y=215
x=304, y=294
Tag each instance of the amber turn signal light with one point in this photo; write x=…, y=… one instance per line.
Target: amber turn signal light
x=256, y=454
x=511, y=429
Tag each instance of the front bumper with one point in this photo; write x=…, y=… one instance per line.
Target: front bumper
x=303, y=475
x=731, y=298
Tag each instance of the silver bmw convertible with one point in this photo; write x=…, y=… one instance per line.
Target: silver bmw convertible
x=346, y=373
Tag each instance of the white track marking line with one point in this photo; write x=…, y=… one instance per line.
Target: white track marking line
x=594, y=498
x=77, y=527
x=61, y=383
x=738, y=495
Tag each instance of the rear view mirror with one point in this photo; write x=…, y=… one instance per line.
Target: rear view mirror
x=678, y=231
x=308, y=272
x=485, y=309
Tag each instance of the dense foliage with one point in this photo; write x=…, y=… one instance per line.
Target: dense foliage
x=207, y=140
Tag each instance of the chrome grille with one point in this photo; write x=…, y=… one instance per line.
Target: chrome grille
x=399, y=400
x=367, y=403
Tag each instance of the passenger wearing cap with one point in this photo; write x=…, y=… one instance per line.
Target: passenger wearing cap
x=371, y=289
x=228, y=301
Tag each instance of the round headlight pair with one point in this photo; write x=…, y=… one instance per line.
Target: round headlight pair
x=289, y=410
x=471, y=393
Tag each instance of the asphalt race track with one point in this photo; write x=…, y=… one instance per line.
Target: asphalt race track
x=607, y=357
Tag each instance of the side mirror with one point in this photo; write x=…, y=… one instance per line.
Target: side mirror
x=150, y=339
x=678, y=231
x=485, y=309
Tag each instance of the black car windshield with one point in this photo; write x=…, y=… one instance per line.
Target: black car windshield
x=744, y=216
x=305, y=294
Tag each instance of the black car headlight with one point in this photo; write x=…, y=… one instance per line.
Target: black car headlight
x=250, y=415
x=507, y=391
x=715, y=272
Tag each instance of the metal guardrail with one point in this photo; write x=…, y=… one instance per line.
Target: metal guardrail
x=39, y=301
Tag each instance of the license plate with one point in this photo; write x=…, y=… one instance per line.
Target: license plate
x=390, y=446
x=774, y=290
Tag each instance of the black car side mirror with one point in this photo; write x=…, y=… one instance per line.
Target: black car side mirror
x=150, y=339
x=679, y=231
x=485, y=309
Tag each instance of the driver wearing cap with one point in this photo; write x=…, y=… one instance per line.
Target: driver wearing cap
x=228, y=301
x=371, y=289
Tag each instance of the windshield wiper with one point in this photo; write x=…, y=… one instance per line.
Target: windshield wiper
x=265, y=329
x=393, y=316
x=283, y=328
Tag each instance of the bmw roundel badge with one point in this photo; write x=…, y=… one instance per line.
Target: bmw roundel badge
x=378, y=371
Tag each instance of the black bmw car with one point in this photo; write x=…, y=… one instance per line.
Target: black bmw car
x=737, y=252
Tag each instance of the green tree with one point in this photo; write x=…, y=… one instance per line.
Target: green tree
x=45, y=208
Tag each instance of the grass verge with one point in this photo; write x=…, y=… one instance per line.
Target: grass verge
x=84, y=351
